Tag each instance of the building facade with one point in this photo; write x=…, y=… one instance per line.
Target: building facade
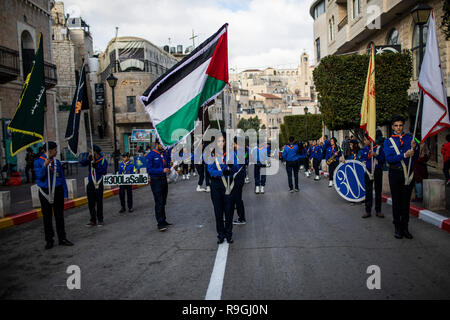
x=21, y=22
x=136, y=63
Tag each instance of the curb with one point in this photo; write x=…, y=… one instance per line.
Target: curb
x=34, y=214
x=423, y=214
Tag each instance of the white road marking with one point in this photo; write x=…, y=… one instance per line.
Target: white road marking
x=214, y=291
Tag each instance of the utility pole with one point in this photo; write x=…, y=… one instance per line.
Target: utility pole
x=193, y=38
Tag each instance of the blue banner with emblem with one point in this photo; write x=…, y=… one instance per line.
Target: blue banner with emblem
x=349, y=180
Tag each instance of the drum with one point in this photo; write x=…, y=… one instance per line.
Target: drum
x=349, y=180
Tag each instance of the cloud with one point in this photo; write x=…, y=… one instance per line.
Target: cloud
x=261, y=33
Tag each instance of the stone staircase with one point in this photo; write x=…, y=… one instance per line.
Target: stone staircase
x=105, y=144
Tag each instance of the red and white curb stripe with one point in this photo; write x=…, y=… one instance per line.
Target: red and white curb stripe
x=423, y=214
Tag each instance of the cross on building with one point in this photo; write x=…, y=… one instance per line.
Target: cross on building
x=193, y=38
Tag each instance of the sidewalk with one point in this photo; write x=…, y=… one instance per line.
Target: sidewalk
x=21, y=195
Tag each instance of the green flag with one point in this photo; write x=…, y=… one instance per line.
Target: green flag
x=27, y=125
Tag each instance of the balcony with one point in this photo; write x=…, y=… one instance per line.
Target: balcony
x=51, y=79
x=9, y=65
x=343, y=22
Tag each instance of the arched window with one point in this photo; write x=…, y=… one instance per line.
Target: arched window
x=331, y=28
x=27, y=48
x=415, y=48
x=393, y=38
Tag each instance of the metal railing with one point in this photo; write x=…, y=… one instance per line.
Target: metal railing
x=9, y=64
x=51, y=78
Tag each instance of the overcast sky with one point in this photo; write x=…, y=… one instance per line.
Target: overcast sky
x=261, y=33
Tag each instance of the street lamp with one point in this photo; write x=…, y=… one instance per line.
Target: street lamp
x=112, y=81
x=306, y=122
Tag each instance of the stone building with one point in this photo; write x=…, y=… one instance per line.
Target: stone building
x=70, y=47
x=344, y=26
x=136, y=63
x=21, y=22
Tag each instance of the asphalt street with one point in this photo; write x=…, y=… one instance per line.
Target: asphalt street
x=306, y=245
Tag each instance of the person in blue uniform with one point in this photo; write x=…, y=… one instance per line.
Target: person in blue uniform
x=354, y=152
x=98, y=167
x=333, y=150
x=260, y=156
x=308, y=149
x=203, y=174
x=399, y=150
x=326, y=144
x=42, y=166
x=158, y=166
x=291, y=156
x=240, y=163
x=126, y=167
x=316, y=155
x=221, y=179
x=375, y=154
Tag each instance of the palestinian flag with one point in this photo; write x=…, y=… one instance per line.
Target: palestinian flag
x=174, y=100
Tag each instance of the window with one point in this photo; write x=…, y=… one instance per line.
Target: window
x=318, y=49
x=319, y=9
x=331, y=28
x=356, y=8
x=393, y=38
x=131, y=104
x=27, y=46
x=415, y=48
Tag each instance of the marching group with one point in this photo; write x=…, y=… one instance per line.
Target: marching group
x=225, y=178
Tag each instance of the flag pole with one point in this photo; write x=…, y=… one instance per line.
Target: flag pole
x=414, y=135
x=373, y=169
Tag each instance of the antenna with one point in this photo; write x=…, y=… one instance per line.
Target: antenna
x=193, y=38
x=117, y=31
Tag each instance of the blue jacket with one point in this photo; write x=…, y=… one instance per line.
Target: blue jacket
x=100, y=167
x=326, y=145
x=364, y=157
x=42, y=173
x=127, y=167
x=316, y=152
x=354, y=156
x=156, y=162
x=404, y=144
x=290, y=152
x=331, y=151
x=260, y=155
x=222, y=159
x=309, y=152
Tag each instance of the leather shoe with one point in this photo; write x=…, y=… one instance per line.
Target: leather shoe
x=380, y=215
x=48, y=245
x=65, y=242
x=230, y=240
x=366, y=215
x=398, y=234
x=220, y=241
x=130, y=210
x=406, y=234
x=122, y=210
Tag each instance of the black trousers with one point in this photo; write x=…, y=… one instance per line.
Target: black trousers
x=202, y=174
x=223, y=206
x=260, y=179
x=33, y=174
x=331, y=168
x=57, y=208
x=292, y=169
x=306, y=163
x=401, y=197
x=236, y=194
x=129, y=190
x=316, y=164
x=95, y=198
x=160, y=190
x=378, y=180
x=184, y=168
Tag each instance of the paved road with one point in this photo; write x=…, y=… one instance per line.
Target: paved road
x=306, y=245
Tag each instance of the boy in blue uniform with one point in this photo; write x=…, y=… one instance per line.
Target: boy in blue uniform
x=377, y=154
x=126, y=167
x=42, y=165
x=316, y=155
x=399, y=150
x=240, y=163
x=158, y=166
x=98, y=167
x=326, y=144
x=333, y=150
x=260, y=155
x=291, y=156
x=221, y=178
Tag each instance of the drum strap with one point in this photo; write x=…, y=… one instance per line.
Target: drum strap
x=405, y=170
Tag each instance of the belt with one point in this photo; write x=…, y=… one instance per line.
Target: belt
x=395, y=167
x=158, y=178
